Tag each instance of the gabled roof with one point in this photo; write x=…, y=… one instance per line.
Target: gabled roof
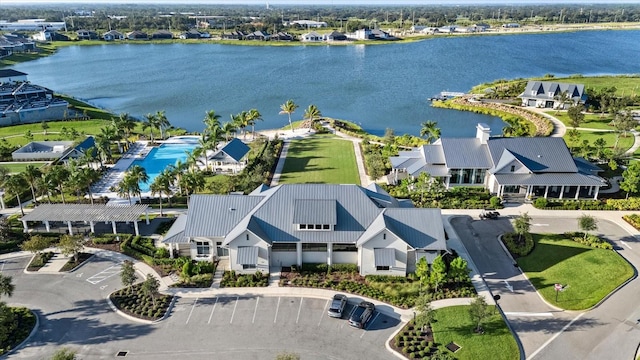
x=465, y=153
x=215, y=216
x=235, y=149
x=113, y=32
x=419, y=228
x=538, y=154
x=550, y=89
x=175, y=235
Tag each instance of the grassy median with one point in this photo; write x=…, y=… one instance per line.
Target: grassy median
x=591, y=274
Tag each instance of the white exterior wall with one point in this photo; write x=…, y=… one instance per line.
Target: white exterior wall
x=367, y=261
x=345, y=257
x=314, y=257
x=263, y=253
x=411, y=261
x=283, y=258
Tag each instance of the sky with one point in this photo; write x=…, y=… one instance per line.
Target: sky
x=323, y=2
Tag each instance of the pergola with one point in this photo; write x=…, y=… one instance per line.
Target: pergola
x=87, y=213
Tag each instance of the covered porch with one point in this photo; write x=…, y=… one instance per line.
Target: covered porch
x=91, y=214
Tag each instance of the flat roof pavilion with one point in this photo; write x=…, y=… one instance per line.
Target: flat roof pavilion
x=87, y=213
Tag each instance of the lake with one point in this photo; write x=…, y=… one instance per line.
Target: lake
x=376, y=86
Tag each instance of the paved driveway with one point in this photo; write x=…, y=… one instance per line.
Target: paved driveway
x=73, y=312
x=610, y=331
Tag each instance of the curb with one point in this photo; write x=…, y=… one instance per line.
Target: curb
x=138, y=320
x=389, y=348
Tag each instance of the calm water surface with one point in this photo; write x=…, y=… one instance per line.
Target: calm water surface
x=377, y=86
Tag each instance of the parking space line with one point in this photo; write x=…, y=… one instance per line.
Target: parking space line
x=191, y=312
x=364, y=331
x=212, y=310
x=104, y=274
x=324, y=310
x=277, y=308
x=255, y=310
x=234, y=309
x=299, y=308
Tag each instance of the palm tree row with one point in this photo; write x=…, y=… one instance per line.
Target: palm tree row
x=129, y=186
x=157, y=121
x=77, y=177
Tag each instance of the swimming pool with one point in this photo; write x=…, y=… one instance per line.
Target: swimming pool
x=162, y=156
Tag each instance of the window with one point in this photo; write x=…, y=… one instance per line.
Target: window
x=283, y=247
x=479, y=176
x=345, y=247
x=318, y=227
x=303, y=226
x=248, y=266
x=513, y=168
x=326, y=227
x=203, y=249
x=314, y=227
x=384, y=236
x=314, y=247
x=247, y=236
x=382, y=268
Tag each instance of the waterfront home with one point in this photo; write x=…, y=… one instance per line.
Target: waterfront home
x=258, y=35
x=14, y=43
x=235, y=35
x=194, y=34
x=162, y=35
x=514, y=167
x=335, y=36
x=311, y=37
x=49, y=35
x=554, y=95
x=86, y=34
x=309, y=223
x=23, y=102
x=282, y=36
x=137, y=35
x=306, y=23
x=113, y=35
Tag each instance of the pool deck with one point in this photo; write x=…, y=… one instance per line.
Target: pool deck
x=138, y=150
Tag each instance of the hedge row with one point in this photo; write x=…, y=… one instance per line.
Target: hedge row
x=632, y=203
x=324, y=268
x=633, y=220
x=589, y=240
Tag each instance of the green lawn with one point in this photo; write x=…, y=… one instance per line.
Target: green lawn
x=591, y=121
x=321, y=159
x=17, y=168
x=590, y=273
x=624, y=143
x=454, y=324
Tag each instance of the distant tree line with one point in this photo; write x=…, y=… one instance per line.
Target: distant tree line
x=251, y=18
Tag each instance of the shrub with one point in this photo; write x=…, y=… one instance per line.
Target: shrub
x=495, y=202
x=315, y=268
x=590, y=240
x=162, y=253
x=347, y=268
x=540, y=203
x=518, y=247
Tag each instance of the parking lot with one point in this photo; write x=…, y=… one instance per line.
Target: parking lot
x=73, y=312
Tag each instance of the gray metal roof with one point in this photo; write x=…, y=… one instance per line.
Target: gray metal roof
x=247, y=255
x=538, y=154
x=549, y=179
x=433, y=154
x=384, y=257
x=420, y=228
x=216, y=215
x=354, y=212
x=428, y=255
x=314, y=211
x=549, y=90
x=465, y=153
x=433, y=170
x=175, y=235
x=85, y=212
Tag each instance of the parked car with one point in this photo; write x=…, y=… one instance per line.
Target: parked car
x=337, y=305
x=361, y=315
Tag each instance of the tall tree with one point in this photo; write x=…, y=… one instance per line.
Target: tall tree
x=430, y=131
x=32, y=174
x=458, y=269
x=422, y=271
x=312, y=113
x=162, y=122
x=228, y=128
x=438, y=271
x=576, y=117
x=15, y=184
x=71, y=245
x=150, y=122
x=288, y=108
x=128, y=273
x=425, y=314
x=60, y=174
x=150, y=287
x=211, y=119
x=563, y=98
x=253, y=115
x=36, y=244
x=631, y=179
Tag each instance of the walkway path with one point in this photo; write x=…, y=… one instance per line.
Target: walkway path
x=559, y=128
x=283, y=157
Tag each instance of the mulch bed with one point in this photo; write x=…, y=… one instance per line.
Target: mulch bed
x=35, y=266
x=414, y=341
x=72, y=264
x=111, y=247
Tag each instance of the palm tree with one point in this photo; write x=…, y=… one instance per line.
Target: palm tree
x=204, y=145
x=211, y=119
x=161, y=185
x=288, y=108
x=122, y=189
x=150, y=122
x=138, y=175
x=430, y=131
x=176, y=171
x=228, y=128
x=562, y=98
x=162, y=122
x=253, y=116
x=312, y=114
x=47, y=184
x=60, y=174
x=88, y=177
x=31, y=175
x=192, y=182
x=14, y=185
x=6, y=286
x=124, y=125
x=192, y=157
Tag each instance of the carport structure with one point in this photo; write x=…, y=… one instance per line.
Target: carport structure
x=86, y=213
